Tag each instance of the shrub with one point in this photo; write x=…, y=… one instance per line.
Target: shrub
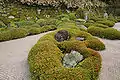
x=13, y=33
x=72, y=16
x=2, y=24
x=113, y=19
x=95, y=25
x=46, y=53
x=97, y=19
x=59, y=17
x=95, y=44
x=24, y=23
x=34, y=30
x=50, y=21
x=81, y=21
x=108, y=33
x=111, y=33
x=68, y=24
x=107, y=22
x=96, y=31
x=80, y=13
x=48, y=28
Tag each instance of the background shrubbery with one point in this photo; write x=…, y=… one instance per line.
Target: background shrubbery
x=108, y=33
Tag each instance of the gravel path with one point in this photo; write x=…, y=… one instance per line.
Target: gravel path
x=111, y=59
x=13, y=58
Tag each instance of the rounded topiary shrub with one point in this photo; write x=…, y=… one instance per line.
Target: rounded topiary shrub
x=109, y=33
x=95, y=25
x=13, y=33
x=107, y=22
x=34, y=30
x=45, y=58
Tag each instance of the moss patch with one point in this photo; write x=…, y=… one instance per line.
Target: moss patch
x=108, y=33
x=46, y=56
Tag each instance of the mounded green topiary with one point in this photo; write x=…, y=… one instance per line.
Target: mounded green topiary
x=24, y=23
x=45, y=62
x=49, y=21
x=98, y=19
x=46, y=56
x=107, y=22
x=109, y=33
x=2, y=24
x=34, y=30
x=95, y=25
x=13, y=33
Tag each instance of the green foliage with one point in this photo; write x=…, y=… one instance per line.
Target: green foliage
x=113, y=19
x=2, y=24
x=98, y=19
x=48, y=51
x=95, y=25
x=48, y=28
x=82, y=29
x=107, y=22
x=72, y=16
x=49, y=21
x=13, y=33
x=24, y=23
x=95, y=44
x=80, y=13
x=34, y=30
x=60, y=17
x=94, y=63
x=81, y=21
x=108, y=33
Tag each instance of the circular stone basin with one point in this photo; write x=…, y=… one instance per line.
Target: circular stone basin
x=80, y=38
x=71, y=59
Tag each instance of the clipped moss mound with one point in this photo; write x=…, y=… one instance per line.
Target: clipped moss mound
x=108, y=33
x=95, y=24
x=13, y=33
x=107, y=22
x=46, y=56
x=16, y=33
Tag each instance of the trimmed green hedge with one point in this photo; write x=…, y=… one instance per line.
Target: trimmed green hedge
x=107, y=22
x=45, y=58
x=96, y=25
x=109, y=33
x=13, y=33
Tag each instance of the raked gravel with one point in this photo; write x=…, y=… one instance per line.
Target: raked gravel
x=111, y=59
x=13, y=57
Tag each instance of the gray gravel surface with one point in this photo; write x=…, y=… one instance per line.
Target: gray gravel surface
x=111, y=59
x=13, y=58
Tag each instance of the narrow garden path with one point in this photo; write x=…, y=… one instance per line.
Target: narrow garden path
x=13, y=57
x=111, y=59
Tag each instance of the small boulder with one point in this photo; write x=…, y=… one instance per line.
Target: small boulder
x=11, y=17
x=80, y=38
x=62, y=35
x=70, y=60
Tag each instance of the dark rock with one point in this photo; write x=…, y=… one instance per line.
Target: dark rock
x=80, y=38
x=62, y=35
